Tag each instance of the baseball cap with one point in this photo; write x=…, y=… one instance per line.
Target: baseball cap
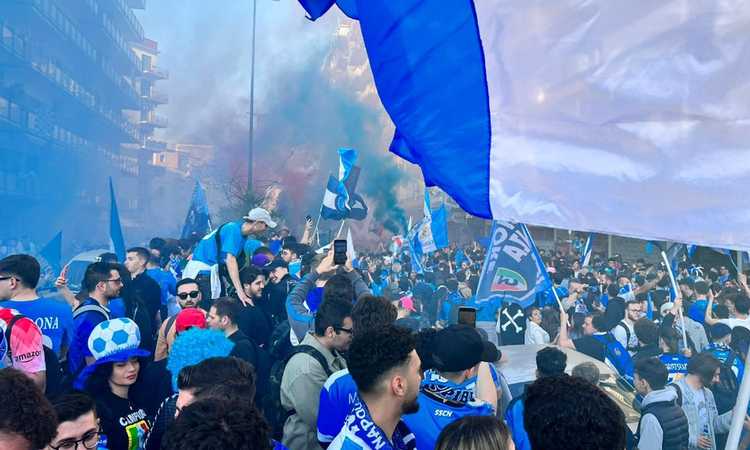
x=278, y=262
x=460, y=347
x=188, y=318
x=260, y=215
x=665, y=308
x=719, y=330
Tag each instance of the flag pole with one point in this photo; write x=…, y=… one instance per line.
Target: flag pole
x=676, y=293
x=341, y=228
x=740, y=408
x=540, y=263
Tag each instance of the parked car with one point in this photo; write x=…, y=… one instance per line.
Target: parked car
x=518, y=366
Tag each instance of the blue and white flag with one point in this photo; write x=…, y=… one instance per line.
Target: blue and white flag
x=336, y=200
x=431, y=233
x=116, y=239
x=588, y=249
x=198, y=220
x=52, y=252
x=550, y=113
x=512, y=268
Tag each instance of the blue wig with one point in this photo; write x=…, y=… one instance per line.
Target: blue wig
x=193, y=346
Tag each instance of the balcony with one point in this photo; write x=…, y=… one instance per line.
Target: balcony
x=45, y=66
x=128, y=19
x=154, y=121
x=156, y=98
x=155, y=73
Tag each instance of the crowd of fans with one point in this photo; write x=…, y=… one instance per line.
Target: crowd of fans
x=252, y=339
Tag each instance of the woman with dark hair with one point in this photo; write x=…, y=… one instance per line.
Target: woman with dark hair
x=475, y=433
x=110, y=380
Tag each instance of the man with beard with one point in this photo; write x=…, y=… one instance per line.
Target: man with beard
x=460, y=383
x=387, y=370
x=281, y=284
x=188, y=296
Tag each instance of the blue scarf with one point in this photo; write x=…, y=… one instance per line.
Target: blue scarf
x=360, y=423
x=449, y=392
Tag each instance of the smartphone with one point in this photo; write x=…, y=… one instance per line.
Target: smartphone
x=339, y=251
x=467, y=316
x=308, y=218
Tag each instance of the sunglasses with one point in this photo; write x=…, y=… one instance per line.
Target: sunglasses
x=192, y=294
x=345, y=330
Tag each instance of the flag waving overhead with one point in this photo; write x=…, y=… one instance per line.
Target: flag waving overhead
x=198, y=220
x=52, y=252
x=573, y=114
x=512, y=268
x=339, y=200
x=588, y=249
x=116, y=239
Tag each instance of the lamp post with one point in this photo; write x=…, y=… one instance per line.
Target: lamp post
x=250, y=149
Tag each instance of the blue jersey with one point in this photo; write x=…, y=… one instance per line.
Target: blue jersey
x=167, y=283
x=84, y=324
x=676, y=365
x=53, y=317
x=722, y=353
x=232, y=242
x=336, y=398
x=360, y=432
x=442, y=402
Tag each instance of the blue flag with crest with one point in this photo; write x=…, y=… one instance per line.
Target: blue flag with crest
x=512, y=268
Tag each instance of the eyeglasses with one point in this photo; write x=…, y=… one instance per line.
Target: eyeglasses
x=191, y=294
x=114, y=280
x=345, y=330
x=89, y=440
x=5, y=278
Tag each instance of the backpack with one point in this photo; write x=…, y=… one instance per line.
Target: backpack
x=280, y=344
x=617, y=355
x=170, y=322
x=726, y=390
x=627, y=334
x=275, y=413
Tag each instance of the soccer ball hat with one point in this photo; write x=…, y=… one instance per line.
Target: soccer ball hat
x=111, y=341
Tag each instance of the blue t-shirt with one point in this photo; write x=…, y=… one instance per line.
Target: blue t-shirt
x=232, y=242
x=441, y=402
x=676, y=366
x=167, y=283
x=84, y=324
x=53, y=317
x=116, y=308
x=697, y=310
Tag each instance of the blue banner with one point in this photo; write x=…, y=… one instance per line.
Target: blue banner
x=512, y=269
x=198, y=220
x=116, y=238
x=52, y=252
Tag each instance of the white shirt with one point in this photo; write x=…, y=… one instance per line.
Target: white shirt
x=736, y=322
x=535, y=334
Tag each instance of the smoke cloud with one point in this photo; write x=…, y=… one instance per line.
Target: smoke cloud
x=314, y=94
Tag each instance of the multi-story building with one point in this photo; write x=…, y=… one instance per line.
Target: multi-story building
x=77, y=102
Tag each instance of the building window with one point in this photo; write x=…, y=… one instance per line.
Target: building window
x=15, y=113
x=3, y=107
x=146, y=61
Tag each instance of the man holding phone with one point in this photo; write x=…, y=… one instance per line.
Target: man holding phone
x=326, y=278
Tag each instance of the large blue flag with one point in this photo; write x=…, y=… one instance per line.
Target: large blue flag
x=116, y=239
x=52, y=252
x=513, y=270
x=198, y=220
x=503, y=102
